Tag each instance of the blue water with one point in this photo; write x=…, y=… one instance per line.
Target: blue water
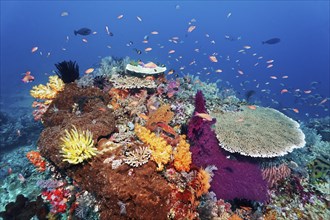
x=302, y=54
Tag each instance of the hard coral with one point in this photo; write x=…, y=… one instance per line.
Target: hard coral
x=77, y=146
x=260, y=132
x=160, y=150
x=137, y=157
x=234, y=178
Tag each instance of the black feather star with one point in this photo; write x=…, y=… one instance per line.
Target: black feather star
x=68, y=71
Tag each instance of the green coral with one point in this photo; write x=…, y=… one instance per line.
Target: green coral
x=77, y=146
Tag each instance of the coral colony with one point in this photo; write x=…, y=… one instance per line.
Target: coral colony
x=125, y=142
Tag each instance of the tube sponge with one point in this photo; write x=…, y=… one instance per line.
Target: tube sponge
x=160, y=150
x=77, y=146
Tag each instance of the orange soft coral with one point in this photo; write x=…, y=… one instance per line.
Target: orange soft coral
x=182, y=155
x=160, y=150
x=201, y=184
x=36, y=159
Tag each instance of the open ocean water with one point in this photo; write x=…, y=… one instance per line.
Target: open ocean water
x=165, y=110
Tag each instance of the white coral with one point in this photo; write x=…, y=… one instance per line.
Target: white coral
x=137, y=157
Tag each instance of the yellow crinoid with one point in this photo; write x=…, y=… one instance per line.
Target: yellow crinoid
x=77, y=146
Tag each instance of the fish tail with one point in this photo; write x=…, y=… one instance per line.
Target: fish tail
x=75, y=32
x=263, y=42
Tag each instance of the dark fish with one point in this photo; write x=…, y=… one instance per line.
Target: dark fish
x=249, y=94
x=110, y=34
x=272, y=41
x=83, y=31
x=137, y=51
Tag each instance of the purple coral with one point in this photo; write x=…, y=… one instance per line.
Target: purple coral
x=234, y=178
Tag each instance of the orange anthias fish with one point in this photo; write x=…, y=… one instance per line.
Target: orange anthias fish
x=295, y=110
x=213, y=59
x=166, y=128
x=252, y=107
x=191, y=28
x=148, y=49
x=150, y=65
x=28, y=77
x=90, y=70
x=204, y=116
x=284, y=91
x=36, y=159
x=34, y=49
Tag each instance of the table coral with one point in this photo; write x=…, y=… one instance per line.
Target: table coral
x=234, y=178
x=259, y=132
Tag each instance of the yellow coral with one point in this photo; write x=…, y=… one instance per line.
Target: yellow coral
x=49, y=90
x=182, y=155
x=160, y=150
x=55, y=83
x=77, y=146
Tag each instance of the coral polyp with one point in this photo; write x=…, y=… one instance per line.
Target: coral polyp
x=77, y=146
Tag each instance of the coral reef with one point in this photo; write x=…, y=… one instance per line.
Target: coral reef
x=131, y=82
x=17, y=129
x=68, y=71
x=274, y=174
x=77, y=146
x=234, y=178
x=248, y=132
x=137, y=157
x=36, y=159
x=111, y=65
x=22, y=208
x=160, y=150
x=182, y=155
x=90, y=114
x=144, y=192
x=48, y=91
x=163, y=114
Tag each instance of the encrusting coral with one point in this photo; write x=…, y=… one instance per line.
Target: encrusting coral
x=182, y=155
x=160, y=150
x=77, y=146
